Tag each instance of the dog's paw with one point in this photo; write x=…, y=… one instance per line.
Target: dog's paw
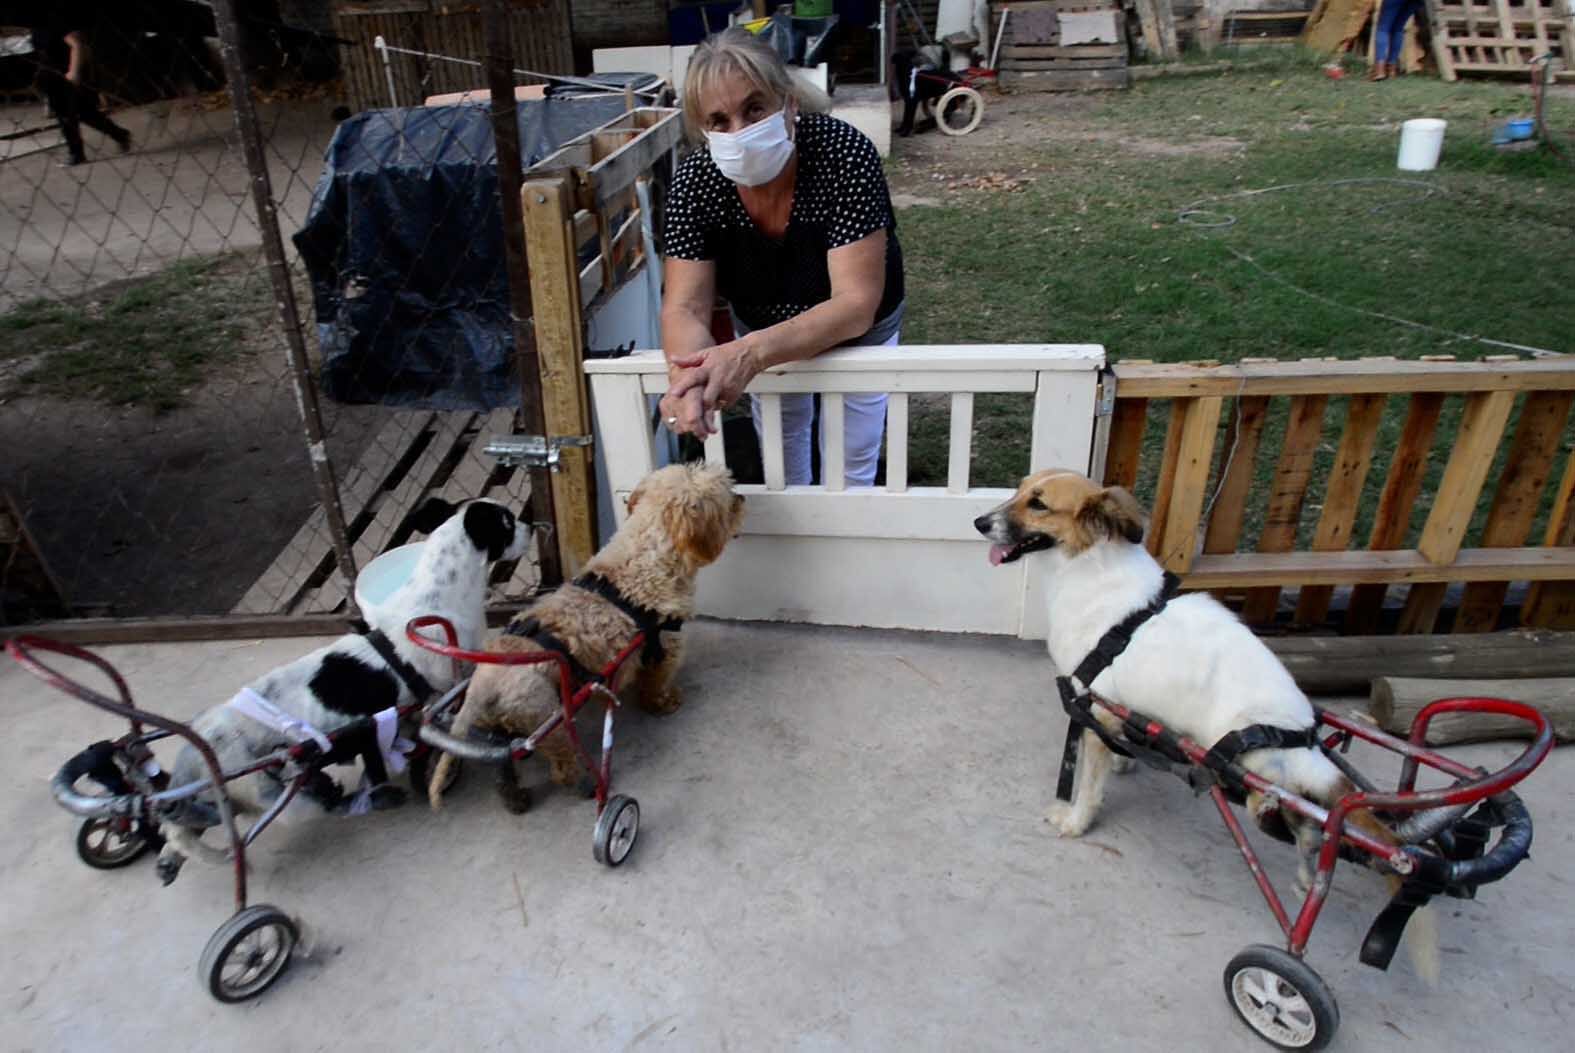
x=516, y=799
x=1121, y=765
x=1066, y=820
x=168, y=868
x=586, y=786
x=662, y=703
x=388, y=797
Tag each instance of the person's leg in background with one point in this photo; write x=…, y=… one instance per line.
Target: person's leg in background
x=863, y=428
x=95, y=118
x=1389, y=30
x=62, y=96
x=798, y=413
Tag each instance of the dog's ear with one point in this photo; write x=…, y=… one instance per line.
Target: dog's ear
x=634, y=498
x=699, y=527
x=491, y=528
x=1114, y=513
x=431, y=515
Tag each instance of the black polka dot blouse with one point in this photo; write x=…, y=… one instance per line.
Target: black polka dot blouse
x=839, y=197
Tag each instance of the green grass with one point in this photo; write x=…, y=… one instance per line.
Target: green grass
x=144, y=342
x=1095, y=248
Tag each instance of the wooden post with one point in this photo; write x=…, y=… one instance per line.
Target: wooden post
x=1124, y=452
x=560, y=343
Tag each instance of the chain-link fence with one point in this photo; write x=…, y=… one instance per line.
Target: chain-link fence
x=248, y=320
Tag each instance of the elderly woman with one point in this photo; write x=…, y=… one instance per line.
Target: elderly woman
x=785, y=212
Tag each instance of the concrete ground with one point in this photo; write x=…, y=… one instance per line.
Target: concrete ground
x=842, y=849
x=183, y=191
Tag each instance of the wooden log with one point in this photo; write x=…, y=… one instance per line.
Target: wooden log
x=1396, y=700
x=1334, y=665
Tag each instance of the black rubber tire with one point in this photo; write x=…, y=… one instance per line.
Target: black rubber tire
x=130, y=847
x=230, y=936
x=1312, y=1024
x=616, y=830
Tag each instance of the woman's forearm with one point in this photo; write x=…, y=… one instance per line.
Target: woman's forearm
x=683, y=333
x=824, y=326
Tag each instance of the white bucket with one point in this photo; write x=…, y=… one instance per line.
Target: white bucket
x=383, y=577
x=1420, y=142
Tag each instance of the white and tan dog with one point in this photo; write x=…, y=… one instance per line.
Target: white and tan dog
x=349, y=679
x=1193, y=667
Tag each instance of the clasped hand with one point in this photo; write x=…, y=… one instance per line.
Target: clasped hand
x=704, y=382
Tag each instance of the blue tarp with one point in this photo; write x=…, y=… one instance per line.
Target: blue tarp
x=404, y=248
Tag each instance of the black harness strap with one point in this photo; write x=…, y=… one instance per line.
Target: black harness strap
x=1079, y=703
x=531, y=629
x=649, y=621
x=1258, y=737
x=646, y=620
x=418, y=684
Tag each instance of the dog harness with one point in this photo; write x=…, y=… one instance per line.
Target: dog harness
x=1078, y=702
x=646, y=620
x=418, y=684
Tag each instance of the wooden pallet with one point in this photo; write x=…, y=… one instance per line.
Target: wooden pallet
x=417, y=454
x=1032, y=57
x=1501, y=36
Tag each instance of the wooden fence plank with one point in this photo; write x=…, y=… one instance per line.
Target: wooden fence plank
x=1551, y=604
x=1343, y=496
x=1125, y=451
x=1246, y=570
x=1392, y=520
x=1355, y=377
x=1515, y=501
x=1481, y=430
x=1194, y=458
x=1239, y=459
x=1302, y=434
x=1165, y=487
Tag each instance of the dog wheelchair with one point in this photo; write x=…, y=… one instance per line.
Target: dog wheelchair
x=1444, y=845
x=250, y=951
x=617, y=816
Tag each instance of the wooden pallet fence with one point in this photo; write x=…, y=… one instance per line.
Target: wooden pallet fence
x=1219, y=464
x=1500, y=36
x=1036, y=55
x=1260, y=28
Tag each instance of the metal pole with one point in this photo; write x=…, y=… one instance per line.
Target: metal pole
x=506, y=136
x=388, y=70
x=250, y=131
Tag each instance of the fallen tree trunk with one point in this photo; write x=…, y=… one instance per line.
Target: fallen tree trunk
x=1396, y=700
x=1344, y=665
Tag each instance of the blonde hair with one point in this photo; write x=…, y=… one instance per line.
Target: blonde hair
x=738, y=51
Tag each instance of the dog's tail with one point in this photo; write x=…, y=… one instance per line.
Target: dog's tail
x=438, y=775
x=1421, y=934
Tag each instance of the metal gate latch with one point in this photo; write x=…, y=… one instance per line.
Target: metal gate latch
x=532, y=451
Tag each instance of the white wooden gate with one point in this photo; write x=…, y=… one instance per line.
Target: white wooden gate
x=893, y=556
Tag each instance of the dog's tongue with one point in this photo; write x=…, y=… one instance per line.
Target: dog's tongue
x=998, y=554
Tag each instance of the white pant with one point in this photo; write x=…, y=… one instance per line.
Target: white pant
x=863, y=422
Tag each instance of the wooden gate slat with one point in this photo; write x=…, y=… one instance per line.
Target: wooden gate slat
x=1343, y=496
x=1393, y=518
x=1551, y=604
x=1519, y=491
x=1242, y=439
x=1302, y=434
x=1195, y=456
x=1125, y=451
x=1167, y=477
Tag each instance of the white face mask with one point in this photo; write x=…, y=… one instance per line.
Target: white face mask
x=755, y=155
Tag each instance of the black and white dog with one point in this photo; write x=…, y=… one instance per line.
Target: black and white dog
x=919, y=81
x=359, y=675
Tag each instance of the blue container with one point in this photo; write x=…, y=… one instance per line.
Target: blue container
x=1521, y=128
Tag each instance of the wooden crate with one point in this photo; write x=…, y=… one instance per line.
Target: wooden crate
x=540, y=29
x=1501, y=36
x=1033, y=58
